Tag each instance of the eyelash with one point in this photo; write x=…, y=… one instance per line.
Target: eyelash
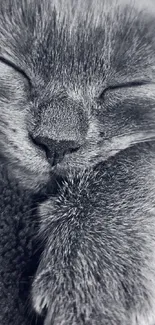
x=16, y=68
x=123, y=85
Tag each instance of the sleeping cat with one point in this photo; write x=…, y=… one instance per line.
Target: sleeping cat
x=77, y=100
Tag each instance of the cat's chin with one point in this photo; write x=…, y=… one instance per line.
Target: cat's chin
x=59, y=171
x=63, y=170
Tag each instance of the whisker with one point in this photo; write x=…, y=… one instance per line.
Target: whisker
x=151, y=139
x=143, y=132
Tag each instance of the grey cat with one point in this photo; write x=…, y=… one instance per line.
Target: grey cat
x=77, y=100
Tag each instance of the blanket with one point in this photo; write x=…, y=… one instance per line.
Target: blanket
x=19, y=253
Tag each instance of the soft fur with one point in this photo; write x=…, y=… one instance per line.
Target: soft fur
x=98, y=266
x=82, y=74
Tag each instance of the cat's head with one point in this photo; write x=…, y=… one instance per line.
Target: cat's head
x=77, y=83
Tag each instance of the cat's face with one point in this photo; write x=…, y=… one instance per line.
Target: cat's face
x=77, y=83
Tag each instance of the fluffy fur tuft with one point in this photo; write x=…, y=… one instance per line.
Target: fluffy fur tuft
x=98, y=265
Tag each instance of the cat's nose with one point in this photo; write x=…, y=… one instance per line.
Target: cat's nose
x=56, y=150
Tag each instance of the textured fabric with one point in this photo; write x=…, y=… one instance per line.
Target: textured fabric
x=18, y=253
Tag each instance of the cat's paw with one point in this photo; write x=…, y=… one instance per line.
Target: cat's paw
x=40, y=292
x=44, y=284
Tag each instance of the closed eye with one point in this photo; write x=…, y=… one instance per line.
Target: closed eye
x=15, y=67
x=130, y=84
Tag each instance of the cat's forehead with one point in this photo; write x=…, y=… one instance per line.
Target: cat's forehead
x=72, y=38
x=99, y=38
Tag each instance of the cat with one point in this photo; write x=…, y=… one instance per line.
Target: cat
x=77, y=98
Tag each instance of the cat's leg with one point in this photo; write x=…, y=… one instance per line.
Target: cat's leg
x=98, y=265
x=68, y=284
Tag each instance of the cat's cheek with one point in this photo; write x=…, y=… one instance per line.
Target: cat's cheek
x=31, y=176
x=31, y=181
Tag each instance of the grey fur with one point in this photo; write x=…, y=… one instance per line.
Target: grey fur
x=98, y=265
x=71, y=54
x=84, y=71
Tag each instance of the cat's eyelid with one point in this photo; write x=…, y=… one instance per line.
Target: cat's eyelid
x=135, y=83
x=15, y=67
